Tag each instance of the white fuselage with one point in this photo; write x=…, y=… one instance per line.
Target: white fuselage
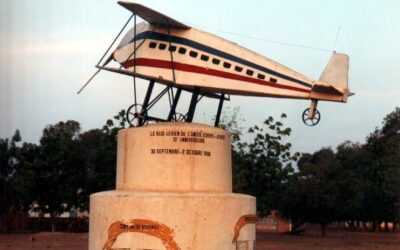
x=193, y=58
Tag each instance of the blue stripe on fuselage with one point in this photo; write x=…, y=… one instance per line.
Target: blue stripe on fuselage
x=210, y=50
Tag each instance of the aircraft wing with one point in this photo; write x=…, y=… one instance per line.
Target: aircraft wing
x=152, y=16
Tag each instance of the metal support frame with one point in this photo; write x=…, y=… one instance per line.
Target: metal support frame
x=148, y=104
x=218, y=116
x=313, y=108
x=174, y=104
x=158, y=97
x=171, y=55
x=146, y=101
x=193, y=104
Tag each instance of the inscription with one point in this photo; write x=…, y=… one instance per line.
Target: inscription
x=149, y=227
x=185, y=137
x=175, y=151
x=191, y=139
x=188, y=136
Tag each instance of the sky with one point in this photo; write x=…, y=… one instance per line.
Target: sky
x=48, y=49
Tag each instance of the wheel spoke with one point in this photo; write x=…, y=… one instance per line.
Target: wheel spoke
x=134, y=117
x=311, y=121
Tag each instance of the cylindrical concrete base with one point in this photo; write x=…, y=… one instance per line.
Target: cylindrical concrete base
x=174, y=185
x=166, y=220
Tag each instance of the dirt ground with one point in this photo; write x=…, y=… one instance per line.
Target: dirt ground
x=338, y=240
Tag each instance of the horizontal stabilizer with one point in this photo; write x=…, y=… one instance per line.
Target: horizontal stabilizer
x=152, y=16
x=328, y=89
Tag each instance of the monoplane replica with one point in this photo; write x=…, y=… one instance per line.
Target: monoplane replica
x=165, y=51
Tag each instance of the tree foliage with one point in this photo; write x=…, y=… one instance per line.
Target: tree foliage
x=357, y=182
x=8, y=169
x=58, y=174
x=315, y=184
x=261, y=166
x=360, y=182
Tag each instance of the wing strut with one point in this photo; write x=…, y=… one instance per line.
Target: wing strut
x=218, y=116
x=101, y=59
x=171, y=55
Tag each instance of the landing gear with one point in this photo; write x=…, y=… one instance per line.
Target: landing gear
x=311, y=116
x=136, y=116
x=311, y=121
x=179, y=118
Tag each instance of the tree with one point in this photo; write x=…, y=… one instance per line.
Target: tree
x=8, y=166
x=100, y=149
x=58, y=170
x=313, y=193
x=383, y=200
x=352, y=182
x=261, y=167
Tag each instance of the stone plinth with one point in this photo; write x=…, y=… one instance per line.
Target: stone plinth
x=174, y=157
x=174, y=191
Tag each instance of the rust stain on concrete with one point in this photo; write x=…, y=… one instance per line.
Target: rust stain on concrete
x=149, y=227
x=242, y=221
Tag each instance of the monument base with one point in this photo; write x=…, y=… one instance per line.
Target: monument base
x=171, y=220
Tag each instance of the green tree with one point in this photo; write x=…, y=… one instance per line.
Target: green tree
x=314, y=190
x=100, y=147
x=383, y=201
x=261, y=167
x=352, y=182
x=8, y=168
x=58, y=170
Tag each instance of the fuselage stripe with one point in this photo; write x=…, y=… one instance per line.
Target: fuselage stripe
x=187, y=42
x=155, y=63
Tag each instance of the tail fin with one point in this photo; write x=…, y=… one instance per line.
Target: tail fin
x=337, y=71
x=333, y=83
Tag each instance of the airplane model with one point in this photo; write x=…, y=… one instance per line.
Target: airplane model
x=184, y=58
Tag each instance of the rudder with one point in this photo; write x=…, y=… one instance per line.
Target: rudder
x=336, y=72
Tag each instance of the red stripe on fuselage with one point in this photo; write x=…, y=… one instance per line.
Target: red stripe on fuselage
x=155, y=63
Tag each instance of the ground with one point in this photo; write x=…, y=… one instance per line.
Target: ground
x=338, y=240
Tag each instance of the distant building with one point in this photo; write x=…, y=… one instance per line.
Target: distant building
x=273, y=223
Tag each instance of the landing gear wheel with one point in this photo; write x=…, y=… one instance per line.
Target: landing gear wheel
x=135, y=117
x=179, y=118
x=311, y=121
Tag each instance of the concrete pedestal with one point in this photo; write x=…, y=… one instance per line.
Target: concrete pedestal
x=174, y=191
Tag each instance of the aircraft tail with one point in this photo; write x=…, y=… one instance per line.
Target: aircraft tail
x=336, y=71
x=333, y=83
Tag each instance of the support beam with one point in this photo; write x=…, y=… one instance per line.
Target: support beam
x=146, y=101
x=218, y=116
x=174, y=104
x=193, y=104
